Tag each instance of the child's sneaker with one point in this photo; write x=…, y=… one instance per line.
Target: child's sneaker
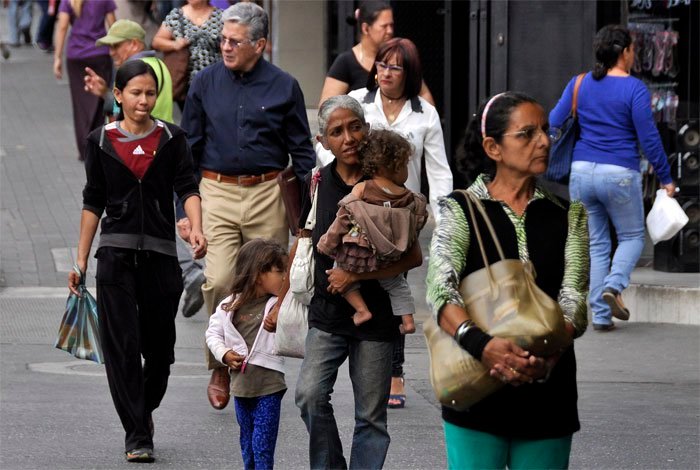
x=140, y=455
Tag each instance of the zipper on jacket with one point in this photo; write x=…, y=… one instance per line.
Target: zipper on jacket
x=139, y=246
x=107, y=148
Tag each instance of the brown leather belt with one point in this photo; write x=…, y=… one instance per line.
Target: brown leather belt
x=240, y=180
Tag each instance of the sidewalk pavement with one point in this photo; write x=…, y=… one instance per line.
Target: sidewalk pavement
x=639, y=386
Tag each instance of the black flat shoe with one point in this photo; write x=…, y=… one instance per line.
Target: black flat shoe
x=603, y=327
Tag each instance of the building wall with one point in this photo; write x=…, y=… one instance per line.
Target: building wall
x=299, y=43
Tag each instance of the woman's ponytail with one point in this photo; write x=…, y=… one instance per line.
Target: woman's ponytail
x=608, y=44
x=471, y=158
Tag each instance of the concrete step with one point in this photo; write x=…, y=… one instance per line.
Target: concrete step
x=660, y=297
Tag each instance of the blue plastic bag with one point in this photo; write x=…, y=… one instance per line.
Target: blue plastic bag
x=79, y=333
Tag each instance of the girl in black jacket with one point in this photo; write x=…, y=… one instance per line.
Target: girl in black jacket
x=133, y=165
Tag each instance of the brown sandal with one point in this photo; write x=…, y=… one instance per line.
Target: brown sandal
x=614, y=299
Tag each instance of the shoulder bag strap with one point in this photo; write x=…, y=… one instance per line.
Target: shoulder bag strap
x=471, y=202
x=574, y=101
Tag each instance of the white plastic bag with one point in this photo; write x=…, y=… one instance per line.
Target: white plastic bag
x=665, y=218
x=301, y=272
x=292, y=326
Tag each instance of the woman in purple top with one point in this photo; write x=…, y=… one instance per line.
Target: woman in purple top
x=89, y=21
x=614, y=114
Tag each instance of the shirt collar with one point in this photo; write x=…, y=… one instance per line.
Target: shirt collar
x=374, y=97
x=251, y=75
x=336, y=177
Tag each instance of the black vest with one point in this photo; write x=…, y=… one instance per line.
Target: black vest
x=531, y=411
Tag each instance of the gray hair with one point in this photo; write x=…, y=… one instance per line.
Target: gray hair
x=334, y=103
x=248, y=14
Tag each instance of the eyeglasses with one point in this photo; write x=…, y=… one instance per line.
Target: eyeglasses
x=531, y=133
x=233, y=43
x=392, y=69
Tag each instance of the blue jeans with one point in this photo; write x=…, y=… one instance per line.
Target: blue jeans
x=370, y=374
x=19, y=18
x=44, y=33
x=610, y=192
x=259, y=422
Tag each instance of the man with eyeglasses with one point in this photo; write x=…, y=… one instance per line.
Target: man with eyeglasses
x=244, y=118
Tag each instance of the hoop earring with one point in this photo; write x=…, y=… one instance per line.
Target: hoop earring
x=376, y=79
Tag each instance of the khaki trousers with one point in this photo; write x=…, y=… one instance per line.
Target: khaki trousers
x=231, y=216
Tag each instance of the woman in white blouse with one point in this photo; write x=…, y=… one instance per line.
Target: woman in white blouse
x=391, y=100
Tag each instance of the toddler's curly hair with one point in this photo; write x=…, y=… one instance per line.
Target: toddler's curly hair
x=383, y=149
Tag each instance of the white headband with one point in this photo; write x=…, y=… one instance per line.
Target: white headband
x=486, y=111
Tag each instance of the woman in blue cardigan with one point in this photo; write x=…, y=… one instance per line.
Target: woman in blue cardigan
x=615, y=117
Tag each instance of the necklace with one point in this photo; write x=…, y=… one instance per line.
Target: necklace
x=391, y=113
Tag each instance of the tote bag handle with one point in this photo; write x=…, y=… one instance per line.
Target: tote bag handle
x=471, y=202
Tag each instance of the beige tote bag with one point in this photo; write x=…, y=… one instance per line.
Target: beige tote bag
x=503, y=300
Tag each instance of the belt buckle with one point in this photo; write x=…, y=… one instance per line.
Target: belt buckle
x=248, y=180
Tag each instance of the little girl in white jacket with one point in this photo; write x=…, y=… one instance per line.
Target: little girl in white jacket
x=236, y=337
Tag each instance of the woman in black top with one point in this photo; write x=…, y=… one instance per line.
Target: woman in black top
x=133, y=165
x=529, y=422
x=332, y=336
x=351, y=68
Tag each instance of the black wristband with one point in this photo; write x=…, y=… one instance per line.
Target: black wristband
x=474, y=341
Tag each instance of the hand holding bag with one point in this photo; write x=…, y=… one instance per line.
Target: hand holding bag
x=503, y=300
x=292, y=319
x=665, y=218
x=178, y=64
x=562, y=151
x=79, y=333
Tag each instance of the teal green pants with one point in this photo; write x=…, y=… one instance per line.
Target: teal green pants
x=469, y=449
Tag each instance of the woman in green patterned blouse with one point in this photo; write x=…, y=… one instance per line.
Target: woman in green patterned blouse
x=530, y=421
